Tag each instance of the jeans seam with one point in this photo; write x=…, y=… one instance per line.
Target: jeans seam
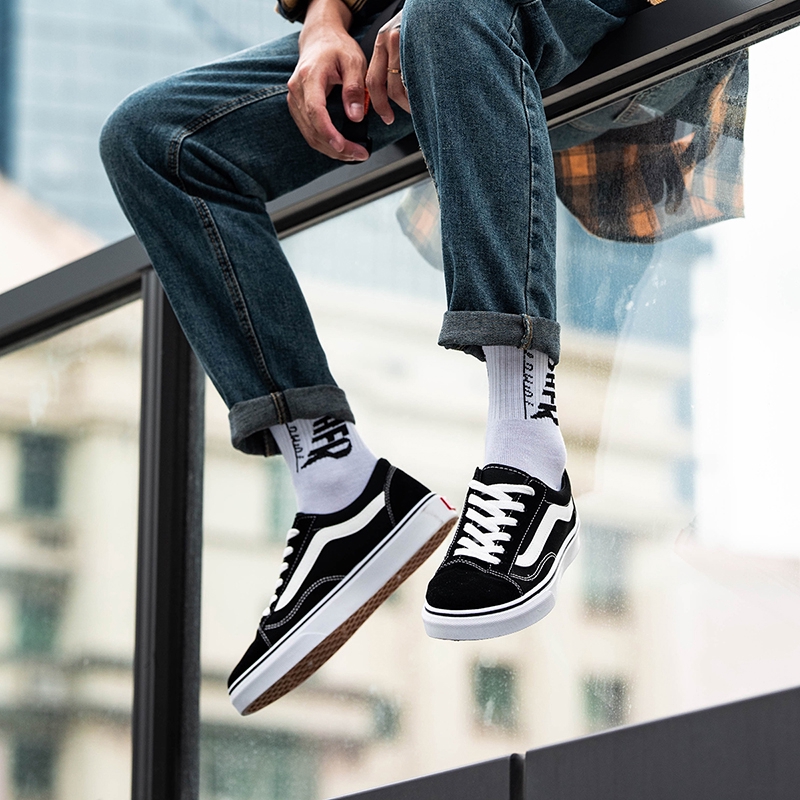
x=531, y=166
x=531, y=178
x=281, y=408
x=207, y=219
x=527, y=339
x=234, y=289
x=210, y=116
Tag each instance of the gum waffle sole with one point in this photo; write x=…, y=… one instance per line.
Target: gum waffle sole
x=325, y=649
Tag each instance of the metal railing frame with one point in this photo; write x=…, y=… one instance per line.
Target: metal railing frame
x=744, y=750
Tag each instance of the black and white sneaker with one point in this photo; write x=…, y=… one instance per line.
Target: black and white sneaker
x=515, y=538
x=338, y=568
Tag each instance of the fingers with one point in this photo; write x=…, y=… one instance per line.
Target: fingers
x=377, y=75
x=397, y=91
x=353, y=86
x=307, y=100
x=383, y=78
x=314, y=123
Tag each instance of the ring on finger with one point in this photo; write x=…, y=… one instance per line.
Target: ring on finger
x=398, y=72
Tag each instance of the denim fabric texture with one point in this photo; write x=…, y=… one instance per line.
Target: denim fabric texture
x=194, y=158
x=477, y=108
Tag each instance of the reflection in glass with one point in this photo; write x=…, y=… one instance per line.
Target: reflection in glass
x=606, y=700
x=495, y=695
x=606, y=573
x=677, y=399
x=42, y=467
x=238, y=766
x=69, y=416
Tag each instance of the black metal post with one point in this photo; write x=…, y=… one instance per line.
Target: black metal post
x=167, y=658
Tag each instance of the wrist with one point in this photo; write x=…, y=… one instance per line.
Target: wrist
x=326, y=15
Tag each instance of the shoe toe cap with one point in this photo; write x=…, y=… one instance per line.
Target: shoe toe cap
x=460, y=587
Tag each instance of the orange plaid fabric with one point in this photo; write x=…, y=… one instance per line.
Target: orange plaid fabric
x=680, y=172
x=418, y=215
x=643, y=183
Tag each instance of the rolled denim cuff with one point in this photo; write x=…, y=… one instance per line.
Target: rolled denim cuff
x=251, y=420
x=471, y=330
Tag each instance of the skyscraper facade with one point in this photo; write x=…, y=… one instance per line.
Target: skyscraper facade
x=65, y=65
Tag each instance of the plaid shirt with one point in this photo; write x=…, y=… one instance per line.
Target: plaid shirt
x=295, y=10
x=642, y=183
x=680, y=172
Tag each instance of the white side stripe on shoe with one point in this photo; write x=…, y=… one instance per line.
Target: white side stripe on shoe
x=323, y=537
x=551, y=516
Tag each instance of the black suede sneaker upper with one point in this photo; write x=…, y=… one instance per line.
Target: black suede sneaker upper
x=512, y=531
x=322, y=549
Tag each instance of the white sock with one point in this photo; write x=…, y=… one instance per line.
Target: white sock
x=522, y=430
x=329, y=462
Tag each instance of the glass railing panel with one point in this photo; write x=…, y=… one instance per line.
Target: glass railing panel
x=69, y=427
x=676, y=397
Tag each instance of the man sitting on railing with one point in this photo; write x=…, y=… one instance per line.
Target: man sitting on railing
x=193, y=160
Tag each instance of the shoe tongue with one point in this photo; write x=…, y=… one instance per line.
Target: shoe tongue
x=497, y=473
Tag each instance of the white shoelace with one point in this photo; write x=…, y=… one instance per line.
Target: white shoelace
x=286, y=553
x=490, y=514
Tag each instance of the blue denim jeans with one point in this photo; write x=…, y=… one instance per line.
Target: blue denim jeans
x=194, y=158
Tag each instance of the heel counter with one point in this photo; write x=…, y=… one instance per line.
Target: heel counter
x=402, y=493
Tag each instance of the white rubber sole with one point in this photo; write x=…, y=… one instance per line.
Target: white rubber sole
x=303, y=650
x=500, y=620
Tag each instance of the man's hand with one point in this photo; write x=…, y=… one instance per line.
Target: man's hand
x=328, y=56
x=384, y=80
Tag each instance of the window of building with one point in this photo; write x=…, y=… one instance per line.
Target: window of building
x=38, y=615
x=41, y=472
x=238, y=766
x=684, y=471
x=605, y=701
x=684, y=408
x=386, y=715
x=34, y=768
x=605, y=565
x=494, y=692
